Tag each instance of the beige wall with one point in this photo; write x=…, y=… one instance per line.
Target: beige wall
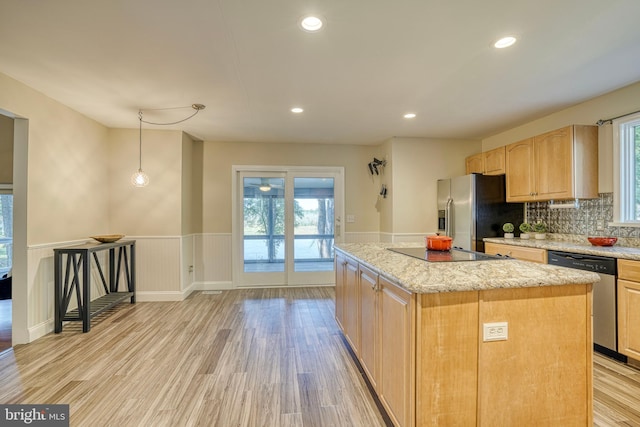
x=6, y=150
x=218, y=158
x=385, y=205
x=197, y=154
x=619, y=102
x=67, y=175
x=60, y=194
x=416, y=164
x=187, y=185
x=154, y=210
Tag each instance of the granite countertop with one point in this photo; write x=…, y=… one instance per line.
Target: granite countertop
x=580, y=247
x=422, y=277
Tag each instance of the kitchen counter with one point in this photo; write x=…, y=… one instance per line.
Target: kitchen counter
x=436, y=355
x=424, y=277
x=586, y=248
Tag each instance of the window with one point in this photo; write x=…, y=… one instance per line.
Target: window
x=626, y=136
x=6, y=232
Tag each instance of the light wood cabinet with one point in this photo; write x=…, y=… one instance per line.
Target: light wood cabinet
x=351, y=304
x=629, y=308
x=517, y=252
x=340, y=267
x=429, y=364
x=494, y=161
x=474, y=164
x=397, y=352
x=557, y=165
x=490, y=162
x=369, y=325
x=520, y=174
x=384, y=315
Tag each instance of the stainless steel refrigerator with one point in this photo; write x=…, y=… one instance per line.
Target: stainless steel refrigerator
x=472, y=207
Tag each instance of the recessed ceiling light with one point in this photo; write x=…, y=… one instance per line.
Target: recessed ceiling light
x=311, y=23
x=297, y=110
x=409, y=115
x=505, y=42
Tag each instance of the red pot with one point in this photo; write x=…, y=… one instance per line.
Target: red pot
x=438, y=243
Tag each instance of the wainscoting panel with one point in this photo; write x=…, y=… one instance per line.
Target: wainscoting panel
x=214, y=261
x=188, y=262
x=158, y=264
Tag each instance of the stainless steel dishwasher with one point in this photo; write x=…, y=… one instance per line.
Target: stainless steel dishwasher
x=605, y=322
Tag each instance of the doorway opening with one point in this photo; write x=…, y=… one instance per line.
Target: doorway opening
x=6, y=230
x=6, y=260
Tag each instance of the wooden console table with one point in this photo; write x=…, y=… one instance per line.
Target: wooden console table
x=77, y=277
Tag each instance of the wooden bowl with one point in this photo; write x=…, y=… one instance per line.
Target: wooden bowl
x=108, y=238
x=602, y=241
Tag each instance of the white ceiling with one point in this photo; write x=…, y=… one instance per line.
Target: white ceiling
x=249, y=63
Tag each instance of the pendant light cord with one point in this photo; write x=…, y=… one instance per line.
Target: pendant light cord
x=196, y=107
x=140, y=145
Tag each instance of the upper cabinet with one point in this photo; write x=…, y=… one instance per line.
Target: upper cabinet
x=475, y=163
x=520, y=171
x=488, y=163
x=494, y=161
x=557, y=165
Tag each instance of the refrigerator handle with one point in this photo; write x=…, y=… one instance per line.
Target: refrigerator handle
x=448, y=218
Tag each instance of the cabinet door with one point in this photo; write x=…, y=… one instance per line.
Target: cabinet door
x=518, y=252
x=397, y=349
x=340, y=283
x=369, y=324
x=629, y=318
x=494, y=161
x=475, y=164
x=554, y=160
x=351, y=304
x=520, y=176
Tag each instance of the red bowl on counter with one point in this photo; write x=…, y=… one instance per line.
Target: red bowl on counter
x=602, y=241
x=438, y=243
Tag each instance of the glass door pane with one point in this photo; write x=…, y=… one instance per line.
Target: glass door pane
x=314, y=213
x=263, y=219
x=6, y=233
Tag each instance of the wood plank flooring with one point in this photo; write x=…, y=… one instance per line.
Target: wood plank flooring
x=258, y=357
x=265, y=357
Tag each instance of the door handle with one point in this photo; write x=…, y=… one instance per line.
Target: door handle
x=447, y=218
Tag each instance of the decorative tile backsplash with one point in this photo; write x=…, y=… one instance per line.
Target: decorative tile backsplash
x=583, y=220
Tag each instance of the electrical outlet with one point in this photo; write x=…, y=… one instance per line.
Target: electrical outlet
x=351, y=218
x=498, y=331
x=600, y=224
x=191, y=269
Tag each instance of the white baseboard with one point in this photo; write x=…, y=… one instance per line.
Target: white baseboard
x=157, y=296
x=214, y=286
x=40, y=330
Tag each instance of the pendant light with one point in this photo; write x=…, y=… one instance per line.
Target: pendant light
x=139, y=178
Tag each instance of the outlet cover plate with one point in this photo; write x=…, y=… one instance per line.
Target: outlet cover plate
x=497, y=331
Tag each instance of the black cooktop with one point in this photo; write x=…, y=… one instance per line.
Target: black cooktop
x=453, y=255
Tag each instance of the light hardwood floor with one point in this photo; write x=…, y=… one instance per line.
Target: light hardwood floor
x=269, y=357
x=260, y=357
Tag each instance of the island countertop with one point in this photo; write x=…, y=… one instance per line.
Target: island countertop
x=423, y=277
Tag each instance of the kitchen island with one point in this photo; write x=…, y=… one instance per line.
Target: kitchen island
x=499, y=342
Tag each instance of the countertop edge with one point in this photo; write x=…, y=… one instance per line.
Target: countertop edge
x=419, y=276
x=621, y=252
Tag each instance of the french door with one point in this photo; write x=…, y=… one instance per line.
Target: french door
x=286, y=220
